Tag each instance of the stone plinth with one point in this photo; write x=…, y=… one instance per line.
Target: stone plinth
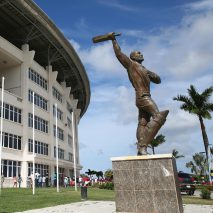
x=146, y=184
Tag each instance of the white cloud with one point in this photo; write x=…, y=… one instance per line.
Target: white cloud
x=177, y=52
x=201, y=5
x=118, y=5
x=101, y=59
x=75, y=45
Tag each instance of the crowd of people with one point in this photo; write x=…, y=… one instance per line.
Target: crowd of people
x=46, y=181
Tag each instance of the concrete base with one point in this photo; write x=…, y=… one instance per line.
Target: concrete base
x=146, y=184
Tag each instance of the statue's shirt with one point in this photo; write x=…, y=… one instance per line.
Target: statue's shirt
x=139, y=77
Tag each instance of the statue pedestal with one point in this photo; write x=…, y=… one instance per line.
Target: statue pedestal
x=146, y=184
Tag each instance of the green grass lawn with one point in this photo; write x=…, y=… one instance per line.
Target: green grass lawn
x=13, y=200
x=196, y=200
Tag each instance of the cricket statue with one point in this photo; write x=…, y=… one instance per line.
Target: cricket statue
x=150, y=119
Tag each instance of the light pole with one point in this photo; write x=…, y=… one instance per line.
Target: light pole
x=2, y=111
x=209, y=162
x=208, y=158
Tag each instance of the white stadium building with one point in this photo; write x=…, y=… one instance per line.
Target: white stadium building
x=36, y=58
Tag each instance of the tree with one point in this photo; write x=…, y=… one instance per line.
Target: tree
x=108, y=174
x=198, y=165
x=176, y=155
x=159, y=139
x=99, y=174
x=198, y=104
x=90, y=172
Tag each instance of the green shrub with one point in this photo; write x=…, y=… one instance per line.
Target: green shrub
x=108, y=185
x=95, y=185
x=205, y=193
x=210, y=187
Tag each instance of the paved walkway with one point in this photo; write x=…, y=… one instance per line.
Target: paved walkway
x=107, y=207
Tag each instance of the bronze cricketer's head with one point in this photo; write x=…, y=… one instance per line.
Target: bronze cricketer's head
x=136, y=56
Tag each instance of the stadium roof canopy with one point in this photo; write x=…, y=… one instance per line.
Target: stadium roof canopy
x=22, y=21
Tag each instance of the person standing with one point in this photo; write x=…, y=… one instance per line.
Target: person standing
x=55, y=179
x=2, y=180
x=19, y=181
x=65, y=182
x=43, y=181
x=47, y=180
x=40, y=181
x=14, y=181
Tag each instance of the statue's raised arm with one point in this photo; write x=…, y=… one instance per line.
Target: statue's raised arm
x=124, y=60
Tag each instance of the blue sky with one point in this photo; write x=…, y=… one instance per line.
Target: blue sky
x=176, y=40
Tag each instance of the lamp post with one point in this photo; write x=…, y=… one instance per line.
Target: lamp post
x=56, y=139
x=209, y=162
x=2, y=111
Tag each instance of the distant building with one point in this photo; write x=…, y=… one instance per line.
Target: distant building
x=36, y=57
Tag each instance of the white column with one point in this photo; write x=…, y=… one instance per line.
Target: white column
x=209, y=162
x=2, y=105
x=33, y=145
x=56, y=142
x=74, y=145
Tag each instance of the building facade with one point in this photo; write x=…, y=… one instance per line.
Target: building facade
x=40, y=62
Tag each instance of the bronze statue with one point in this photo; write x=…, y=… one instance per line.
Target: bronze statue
x=150, y=119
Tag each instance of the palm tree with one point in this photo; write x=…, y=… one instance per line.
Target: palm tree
x=176, y=155
x=99, y=174
x=199, y=105
x=159, y=139
x=199, y=164
x=108, y=174
x=90, y=173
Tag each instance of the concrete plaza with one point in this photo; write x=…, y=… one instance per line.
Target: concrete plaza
x=108, y=207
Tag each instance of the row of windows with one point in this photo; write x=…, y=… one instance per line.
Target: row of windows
x=38, y=100
x=70, y=156
x=59, y=113
x=40, y=147
x=70, y=140
x=42, y=169
x=60, y=133
x=11, y=141
x=11, y=168
x=60, y=153
x=14, y=142
x=39, y=123
x=57, y=94
x=38, y=79
x=14, y=114
x=69, y=108
x=69, y=122
x=42, y=125
x=11, y=113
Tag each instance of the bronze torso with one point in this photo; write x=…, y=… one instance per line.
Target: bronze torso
x=139, y=78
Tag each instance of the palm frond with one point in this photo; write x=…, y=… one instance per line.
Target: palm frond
x=175, y=154
x=208, y=106
x=159, y=139
x=193, y=93
x=205, y=114
x=207, y=93
x=188, y=108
